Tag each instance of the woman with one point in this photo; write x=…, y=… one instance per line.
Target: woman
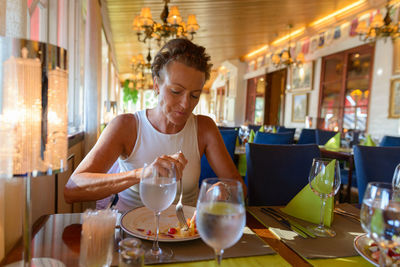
x=169, y=133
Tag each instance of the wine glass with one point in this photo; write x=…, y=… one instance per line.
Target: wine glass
x=396, y=178
x=324, y=180
x=380, y=218
x=221, y=215
x=243, y=134
x=157, y=192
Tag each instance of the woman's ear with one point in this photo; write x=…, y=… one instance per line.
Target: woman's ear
x=155, y=86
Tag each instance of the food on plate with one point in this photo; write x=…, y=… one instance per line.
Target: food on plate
x=174, y=232
x=372, y=250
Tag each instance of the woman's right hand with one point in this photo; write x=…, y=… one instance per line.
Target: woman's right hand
x=165, y=163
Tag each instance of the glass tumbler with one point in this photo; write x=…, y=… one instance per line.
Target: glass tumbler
x=97, y=239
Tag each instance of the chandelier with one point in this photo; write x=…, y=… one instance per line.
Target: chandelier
x=284, y=58
x=141, y=70
x=172, y=25
x=380, y=27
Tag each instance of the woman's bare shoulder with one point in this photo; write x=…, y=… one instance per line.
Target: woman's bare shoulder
x=205, y=125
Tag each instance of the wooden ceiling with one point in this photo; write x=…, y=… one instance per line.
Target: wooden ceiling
x=229, y=29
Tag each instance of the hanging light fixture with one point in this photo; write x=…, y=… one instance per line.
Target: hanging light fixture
x=380, y=27
x=172, y=25
x=284, y=58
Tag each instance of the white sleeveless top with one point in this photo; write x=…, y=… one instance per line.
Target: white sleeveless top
x=150, y=144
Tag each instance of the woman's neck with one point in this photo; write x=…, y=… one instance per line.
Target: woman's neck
x=161, y=123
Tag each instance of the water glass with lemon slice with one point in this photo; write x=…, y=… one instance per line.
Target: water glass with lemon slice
x=221, y=215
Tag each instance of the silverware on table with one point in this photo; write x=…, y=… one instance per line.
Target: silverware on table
x=294, y=223
x=284, y=222
x=346, y=214
x=179, y=209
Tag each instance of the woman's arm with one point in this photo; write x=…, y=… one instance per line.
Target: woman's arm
x=90, y=180
x=212, y=144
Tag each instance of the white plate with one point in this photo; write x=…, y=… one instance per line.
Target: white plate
x=143, y=218
x=362, y=242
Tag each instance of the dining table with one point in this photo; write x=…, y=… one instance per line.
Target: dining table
x=58, y=236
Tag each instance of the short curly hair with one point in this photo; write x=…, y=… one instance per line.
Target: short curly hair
x=185, y=52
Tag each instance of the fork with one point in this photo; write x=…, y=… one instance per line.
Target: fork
x=179, y=209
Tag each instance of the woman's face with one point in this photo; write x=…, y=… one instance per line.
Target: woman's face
x=179, y=89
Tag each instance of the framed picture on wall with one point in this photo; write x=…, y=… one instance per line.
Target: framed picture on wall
x=396, y=57
x=299, y=107
x=302, y=76
x=394, y=102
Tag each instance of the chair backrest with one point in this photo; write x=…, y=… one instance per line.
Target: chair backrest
x=307, y=136
x=390, y=141
x=229, y=137
x=276, y=173
x=322, y=136
x=282, y=129
x=223, y=128
x=253, y=127
x=274, y=138
x=374, y=164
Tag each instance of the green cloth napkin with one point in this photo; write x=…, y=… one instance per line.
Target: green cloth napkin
x=334, y=142
x=368, y=141
x=261, y=129
x=274, y=130
x=237, y=142
x=306, y=205
x=242, y=165
x=251, y=137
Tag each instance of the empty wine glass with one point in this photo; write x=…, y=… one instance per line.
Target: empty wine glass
x=324, y=180
x=380, y=218
x=396, y=178
x=157, y=192
x=221, y=215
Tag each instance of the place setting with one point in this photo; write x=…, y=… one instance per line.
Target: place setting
x=310, y=223
x=165, y=239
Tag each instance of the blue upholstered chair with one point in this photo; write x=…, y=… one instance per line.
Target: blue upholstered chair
x=276, y=173
x=322, y=136
x=229, y=137
x=390, y=141
x=374, y=164
x=282, y=129
x=274, y=138
x=254, y=127
x=307, y=136
x=224, y=128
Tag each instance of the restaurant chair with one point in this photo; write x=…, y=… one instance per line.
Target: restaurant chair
x=254, y=127
x=282, y=129
x=224, y=128
x=274, y=138
x=229, y=137
x=390, y=141
x=374, y=164
x=307, y=136
x=322, y=136
x=276, y=173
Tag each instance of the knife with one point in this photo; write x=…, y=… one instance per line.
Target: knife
x=294, y=223
x=284, y=222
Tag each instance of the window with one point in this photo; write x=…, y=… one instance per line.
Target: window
x=345, y=87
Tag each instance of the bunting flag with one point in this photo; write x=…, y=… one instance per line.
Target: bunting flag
x=353, y=27
x=337, y=33
x=321, y=41
x=328, y=37
x=314, y=44
x=306, y=46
